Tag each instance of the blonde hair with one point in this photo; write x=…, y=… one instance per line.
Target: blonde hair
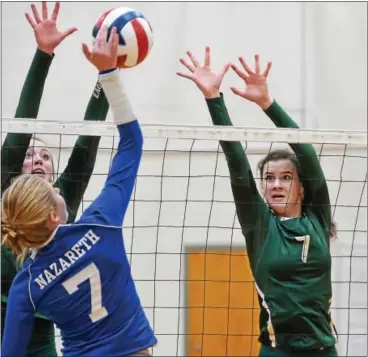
x=26, y=208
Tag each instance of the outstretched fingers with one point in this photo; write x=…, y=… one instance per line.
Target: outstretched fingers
x=55, y=12
x=267, y=70
x=187, y=65
x=112, y=35
x=193, y=59
x=114, y=42
x=44, y=10
x=68, y=32
x=35, y=14
x=225, y=69
x=245, y=66
x=207, y=56
x=240, y=73
x=191, y=67
x=30, y=21
x=86, y=51
x=257, y=64
x=257, y=69
x=240, y=93
x=185, y=75
x=101, y=38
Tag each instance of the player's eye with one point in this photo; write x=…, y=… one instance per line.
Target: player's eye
x=269, y=177
x=28, y=155
x=46, y=156
x=287, y=177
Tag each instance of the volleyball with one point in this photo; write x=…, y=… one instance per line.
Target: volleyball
x=135, y=34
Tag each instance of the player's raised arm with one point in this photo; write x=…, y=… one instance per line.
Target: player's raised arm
x=110, y=206
x=73, y=182
x=315, y=185
x=48, y=37
x=249, y=204
x=19, y=318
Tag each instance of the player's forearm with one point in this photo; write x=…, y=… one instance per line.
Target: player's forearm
x=86, y=146
x=120, y=181
x=236, y=159
x=113, y=201
x=31, y=95
x=75, y=178
x=279, y=117
x=16, y=145
x=98, y=105
x=316, y=190
x=131, y=139
x=218, y=111
x=249, y=204
x=306, y=154
x=117, y=97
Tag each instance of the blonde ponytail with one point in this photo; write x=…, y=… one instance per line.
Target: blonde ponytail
x=26, y=208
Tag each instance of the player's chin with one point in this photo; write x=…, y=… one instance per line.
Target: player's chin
x=39, y=174
x=279, y=207
x=46, y=176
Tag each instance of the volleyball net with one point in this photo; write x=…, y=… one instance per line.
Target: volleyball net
x=183, y=239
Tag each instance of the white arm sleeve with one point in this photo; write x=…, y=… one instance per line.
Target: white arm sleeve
x=117, y=98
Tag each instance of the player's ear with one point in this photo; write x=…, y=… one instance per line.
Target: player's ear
x=54, y=219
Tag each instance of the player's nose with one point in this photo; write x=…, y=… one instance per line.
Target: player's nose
x=277, y=183
x=37, y=160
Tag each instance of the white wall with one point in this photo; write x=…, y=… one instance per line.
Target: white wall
x=319, y=54
x=319, y=75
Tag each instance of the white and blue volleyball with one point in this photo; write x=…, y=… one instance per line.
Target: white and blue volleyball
x=135, y=34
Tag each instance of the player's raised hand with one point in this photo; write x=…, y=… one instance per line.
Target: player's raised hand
x=104, y=54
x=47, y=35
x=207, y=81
x=256, y=87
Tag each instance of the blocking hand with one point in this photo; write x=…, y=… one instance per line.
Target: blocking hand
x=207, y=81
x=48, y=37
x=256, y=87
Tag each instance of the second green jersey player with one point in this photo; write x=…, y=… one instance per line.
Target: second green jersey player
x=19, y=155
x=287, y=226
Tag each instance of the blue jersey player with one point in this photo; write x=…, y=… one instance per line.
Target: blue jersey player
x=78, y=274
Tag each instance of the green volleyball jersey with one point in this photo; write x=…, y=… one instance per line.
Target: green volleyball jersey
x=72, y=182
x=290, y=258
x=293, y=279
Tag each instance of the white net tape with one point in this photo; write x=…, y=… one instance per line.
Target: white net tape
x=190, y=132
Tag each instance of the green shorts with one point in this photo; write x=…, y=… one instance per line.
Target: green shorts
x=267, y=351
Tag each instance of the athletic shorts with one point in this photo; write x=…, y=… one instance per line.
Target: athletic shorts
x=267, y=351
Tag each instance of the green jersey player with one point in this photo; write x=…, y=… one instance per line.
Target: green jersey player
x=287, y=226
x=21, y=155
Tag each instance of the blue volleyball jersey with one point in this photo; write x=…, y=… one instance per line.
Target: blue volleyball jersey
x=82, y=280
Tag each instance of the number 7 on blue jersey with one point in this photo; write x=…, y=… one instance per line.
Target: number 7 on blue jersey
x=92, y=274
